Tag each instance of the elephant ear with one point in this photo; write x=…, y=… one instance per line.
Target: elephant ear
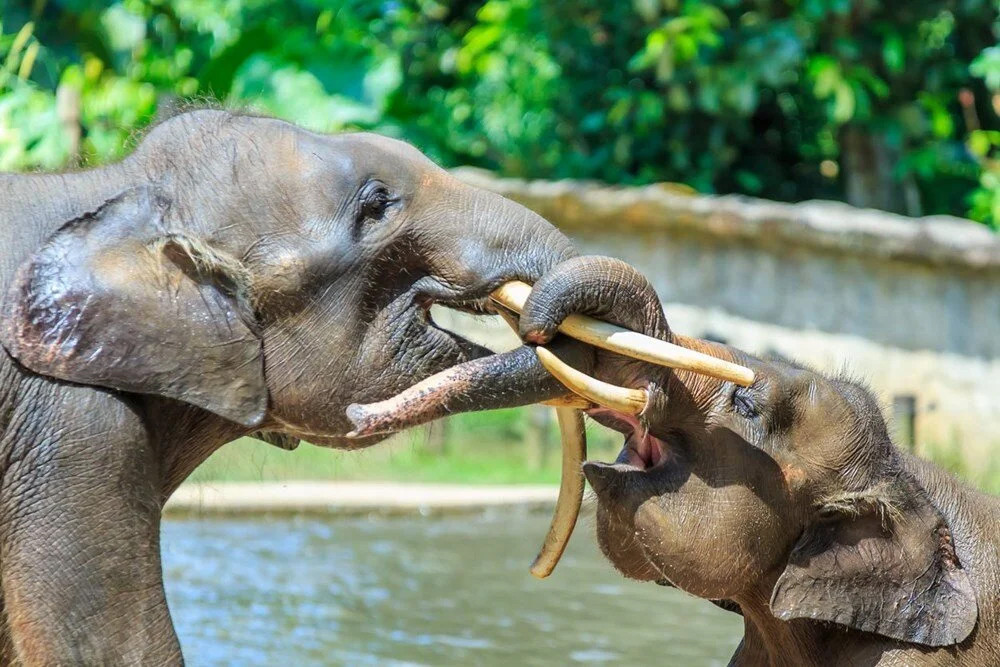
x=116, y=300
x=884, y=563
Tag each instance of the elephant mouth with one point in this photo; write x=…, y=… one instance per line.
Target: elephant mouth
x=472, y=306
x=642, y=451
x=424, y=304
x=429, y=292
x=458, y=375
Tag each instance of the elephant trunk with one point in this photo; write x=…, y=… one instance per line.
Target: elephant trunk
x=502, y=380
x=490, y=240
x=505, y=380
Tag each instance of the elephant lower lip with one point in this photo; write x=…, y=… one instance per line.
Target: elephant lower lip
x=490, y=381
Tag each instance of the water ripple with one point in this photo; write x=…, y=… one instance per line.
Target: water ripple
x=419, y=591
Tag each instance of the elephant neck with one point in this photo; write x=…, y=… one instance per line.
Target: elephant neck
x=184, y=437
x=768, y=640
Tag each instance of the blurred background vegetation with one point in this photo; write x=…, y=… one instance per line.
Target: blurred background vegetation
x=891, y=105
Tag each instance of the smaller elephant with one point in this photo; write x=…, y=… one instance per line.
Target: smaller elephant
x=785, y=501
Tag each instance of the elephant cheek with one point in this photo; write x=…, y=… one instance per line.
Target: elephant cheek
x=617, y=539
x=309, y=409
x=695, y=557
x=705, y=552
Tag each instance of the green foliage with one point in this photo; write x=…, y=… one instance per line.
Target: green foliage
x=750, y=96
x=984, y=475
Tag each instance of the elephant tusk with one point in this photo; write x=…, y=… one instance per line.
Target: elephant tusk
x=573, y=436
x=629, y=401
x=570, y=401
x=512, y=295
x=574, y=452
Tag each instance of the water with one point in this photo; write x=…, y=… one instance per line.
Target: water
x=435, y=591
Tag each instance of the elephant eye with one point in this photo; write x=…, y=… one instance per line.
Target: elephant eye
x=375, y=203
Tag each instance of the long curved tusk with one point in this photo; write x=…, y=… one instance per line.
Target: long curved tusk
x=574, y=452
x=573, y=436
x=513, y=294
x=629, y=401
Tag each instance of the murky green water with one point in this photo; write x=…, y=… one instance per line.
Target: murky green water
x=436, y=591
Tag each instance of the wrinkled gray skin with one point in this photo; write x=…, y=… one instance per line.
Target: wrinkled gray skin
x=785, y=501
x=234, y=275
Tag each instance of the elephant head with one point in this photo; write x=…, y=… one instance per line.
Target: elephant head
x=267, y=274
x=785, y=499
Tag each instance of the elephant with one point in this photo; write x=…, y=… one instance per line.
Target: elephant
x=785, y=501
x=233, y=275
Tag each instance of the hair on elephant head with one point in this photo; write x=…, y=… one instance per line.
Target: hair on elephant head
x=267, y=274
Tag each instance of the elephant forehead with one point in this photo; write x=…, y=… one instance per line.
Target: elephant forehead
x=375, y=152
x=289, y=155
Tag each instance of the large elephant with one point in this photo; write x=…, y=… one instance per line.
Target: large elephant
x=234, y=275
x=785, y=501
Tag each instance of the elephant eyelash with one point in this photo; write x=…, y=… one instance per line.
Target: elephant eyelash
x=744, y=403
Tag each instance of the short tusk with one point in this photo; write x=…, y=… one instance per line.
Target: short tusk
x=574, y=452
x=629, y=401
x=513, y=295
x=567, y=401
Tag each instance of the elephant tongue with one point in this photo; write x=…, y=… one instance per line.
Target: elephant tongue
x=504, y=380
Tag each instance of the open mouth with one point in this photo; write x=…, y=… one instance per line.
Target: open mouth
x=642, y=450
x=477, y=307
x=429, y=292
x=473, y=306
x=460, y=375
x=527, y=375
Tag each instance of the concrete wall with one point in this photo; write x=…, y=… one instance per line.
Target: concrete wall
x=910, y=305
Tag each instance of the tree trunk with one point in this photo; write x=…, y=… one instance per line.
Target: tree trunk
x=869, y=182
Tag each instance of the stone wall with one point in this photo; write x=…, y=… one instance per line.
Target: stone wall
x=910, y=305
